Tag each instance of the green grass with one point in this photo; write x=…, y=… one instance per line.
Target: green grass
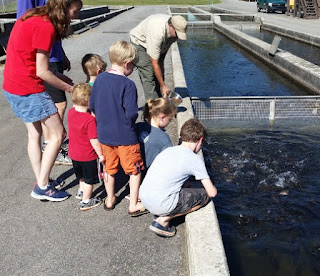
x=149, y=2
x=12, y=7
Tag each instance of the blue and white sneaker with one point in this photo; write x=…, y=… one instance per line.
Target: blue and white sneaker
x=79, y=194
x=57, y=183
x=50, y=193
x=93, y=202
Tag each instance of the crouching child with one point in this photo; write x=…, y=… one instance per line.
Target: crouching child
x=161, y=191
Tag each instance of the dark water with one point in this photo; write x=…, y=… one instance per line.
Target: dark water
x=268, y=179
x=214, y=66
x=307, y=52
x=268, y=202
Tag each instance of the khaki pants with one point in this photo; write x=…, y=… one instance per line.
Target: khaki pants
x=149, y=82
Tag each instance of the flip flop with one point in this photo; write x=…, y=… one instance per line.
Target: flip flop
x=128, y=197
x=138, y=213
x=163, y=231
x=109, y=208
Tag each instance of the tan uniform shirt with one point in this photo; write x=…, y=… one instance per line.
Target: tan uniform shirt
x=153, y=34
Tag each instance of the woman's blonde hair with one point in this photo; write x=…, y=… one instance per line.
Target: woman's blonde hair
x=155, y=107
x=91, y=63
x=121, y=52
x=57, y=11
x=81, y=94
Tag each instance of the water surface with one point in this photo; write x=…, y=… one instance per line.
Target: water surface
x=214, y=66
x=307, y=52
x=268, y=202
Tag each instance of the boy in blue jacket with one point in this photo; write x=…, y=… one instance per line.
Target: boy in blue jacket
x=113, y=100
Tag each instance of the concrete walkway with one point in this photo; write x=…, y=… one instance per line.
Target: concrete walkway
x=45, y=238
x=309, y=26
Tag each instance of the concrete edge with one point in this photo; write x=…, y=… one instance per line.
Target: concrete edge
x=209, y=250
x=206, y=254
x=98, y=14
x=296, y=35
x=81, y=24
x=291, y=33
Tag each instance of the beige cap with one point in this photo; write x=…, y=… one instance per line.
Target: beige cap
x=180, y=25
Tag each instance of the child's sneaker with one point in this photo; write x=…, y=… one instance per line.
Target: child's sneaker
x=50, y=193
x=43, y=146
x=63, y=159
x=65, y=145
x=57, y=183
x=79, y=194
x=93, y=202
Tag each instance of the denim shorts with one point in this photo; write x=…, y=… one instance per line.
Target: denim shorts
x=31, y=108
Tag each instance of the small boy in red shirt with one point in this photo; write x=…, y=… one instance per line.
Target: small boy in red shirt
x=84, y=147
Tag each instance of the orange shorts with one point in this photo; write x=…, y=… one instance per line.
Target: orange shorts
x=129, y=156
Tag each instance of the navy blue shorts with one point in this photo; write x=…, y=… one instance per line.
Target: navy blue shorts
x=88, y=171
x=57, y=95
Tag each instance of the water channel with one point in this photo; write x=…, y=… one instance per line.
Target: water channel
x=268, y=179
x=215, y=67
x=307, y=52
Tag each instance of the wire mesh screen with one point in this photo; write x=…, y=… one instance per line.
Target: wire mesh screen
x=7, y=6
x=256, y=108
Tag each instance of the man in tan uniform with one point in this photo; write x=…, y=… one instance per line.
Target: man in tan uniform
x=152, y=39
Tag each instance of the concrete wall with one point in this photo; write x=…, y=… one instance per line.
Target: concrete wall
x=93, y=11
x=206, y=252
x=87, y=16
x=303, y=37
x=83, y=24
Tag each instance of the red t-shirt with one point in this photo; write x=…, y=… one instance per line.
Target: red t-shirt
x=82, y=127
x=20, y=68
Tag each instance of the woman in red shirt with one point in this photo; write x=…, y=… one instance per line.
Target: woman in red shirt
x=26, y=68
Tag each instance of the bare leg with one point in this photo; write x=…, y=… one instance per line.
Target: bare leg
x=165, y=220
x=134, y=184
x=34, y=147
x=61, y=110
x=87, y=191
x=81, y=184
x=56, y=130
x=109, y=183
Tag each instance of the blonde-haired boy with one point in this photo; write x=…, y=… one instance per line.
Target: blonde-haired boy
x=114, y=102
x=84, y=148
x=93, y=65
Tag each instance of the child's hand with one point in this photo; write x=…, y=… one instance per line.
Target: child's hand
x=102, y=159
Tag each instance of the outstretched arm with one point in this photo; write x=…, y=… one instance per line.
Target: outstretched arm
x=43, y=72
x=158, y=69
x=209, y=187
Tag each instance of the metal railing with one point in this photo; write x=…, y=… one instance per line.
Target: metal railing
x=7, y=6
x=256, y=108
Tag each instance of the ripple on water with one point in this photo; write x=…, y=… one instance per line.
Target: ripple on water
x=268, y=201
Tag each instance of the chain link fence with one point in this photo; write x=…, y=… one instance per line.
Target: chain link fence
x=8, y=6
x=272, y=109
